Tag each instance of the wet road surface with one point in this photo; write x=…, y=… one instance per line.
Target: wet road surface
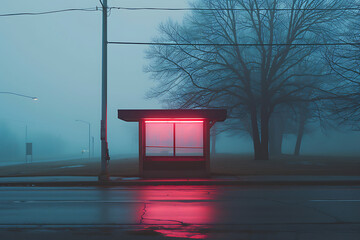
x=180, y=212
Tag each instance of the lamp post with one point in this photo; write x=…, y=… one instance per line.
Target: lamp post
x=89, y=132
x=20, y=95
x=92, y=150
x=28, y=146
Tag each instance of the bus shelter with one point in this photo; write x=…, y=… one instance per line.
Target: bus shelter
x=174, y=142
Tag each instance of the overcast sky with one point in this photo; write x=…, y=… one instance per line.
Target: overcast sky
x=57, y=58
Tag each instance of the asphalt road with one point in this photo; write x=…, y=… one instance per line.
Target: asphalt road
x=180, y=212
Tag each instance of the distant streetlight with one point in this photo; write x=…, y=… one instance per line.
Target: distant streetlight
x=20, y=95
x=92, y=138
x=89, y=132
x=28, y=146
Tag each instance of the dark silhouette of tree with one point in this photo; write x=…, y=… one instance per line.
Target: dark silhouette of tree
x=345, y=63
x=249, y=81
x=297, y=117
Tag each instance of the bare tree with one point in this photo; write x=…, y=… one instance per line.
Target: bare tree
x=345, y=63
x=213, y=65
x=293, y=117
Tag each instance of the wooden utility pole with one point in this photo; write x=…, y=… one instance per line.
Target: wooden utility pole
x=104, y=174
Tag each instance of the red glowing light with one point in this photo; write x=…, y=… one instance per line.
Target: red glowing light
x=174, y=137
x=174, y=121
x=171, y=120
x=179, y=212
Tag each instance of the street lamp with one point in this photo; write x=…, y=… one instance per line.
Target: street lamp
x=28, y=146
x=89, y=132
x=20, y=95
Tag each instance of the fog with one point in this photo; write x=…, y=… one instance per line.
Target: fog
x=57, y=58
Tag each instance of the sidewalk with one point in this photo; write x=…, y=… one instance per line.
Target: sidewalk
x=73, y=181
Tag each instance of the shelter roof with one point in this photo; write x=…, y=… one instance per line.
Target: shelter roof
x=135, y=115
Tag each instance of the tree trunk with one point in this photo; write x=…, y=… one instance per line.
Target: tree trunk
x=299, y=137
x=276, y=133
x=213, y=140
x=255, y=134
x=264, y=133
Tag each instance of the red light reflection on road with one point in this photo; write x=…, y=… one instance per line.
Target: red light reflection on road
x=177, y=211
x=191, y=233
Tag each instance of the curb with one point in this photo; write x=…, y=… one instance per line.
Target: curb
x=135, y=183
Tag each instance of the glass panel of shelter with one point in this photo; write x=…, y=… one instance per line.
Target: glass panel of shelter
x=174, y=138
x=159, y=139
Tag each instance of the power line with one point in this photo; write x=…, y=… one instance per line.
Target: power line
x=233, y=44
x=173, y=9
x=51, y=12
x=234, y=9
